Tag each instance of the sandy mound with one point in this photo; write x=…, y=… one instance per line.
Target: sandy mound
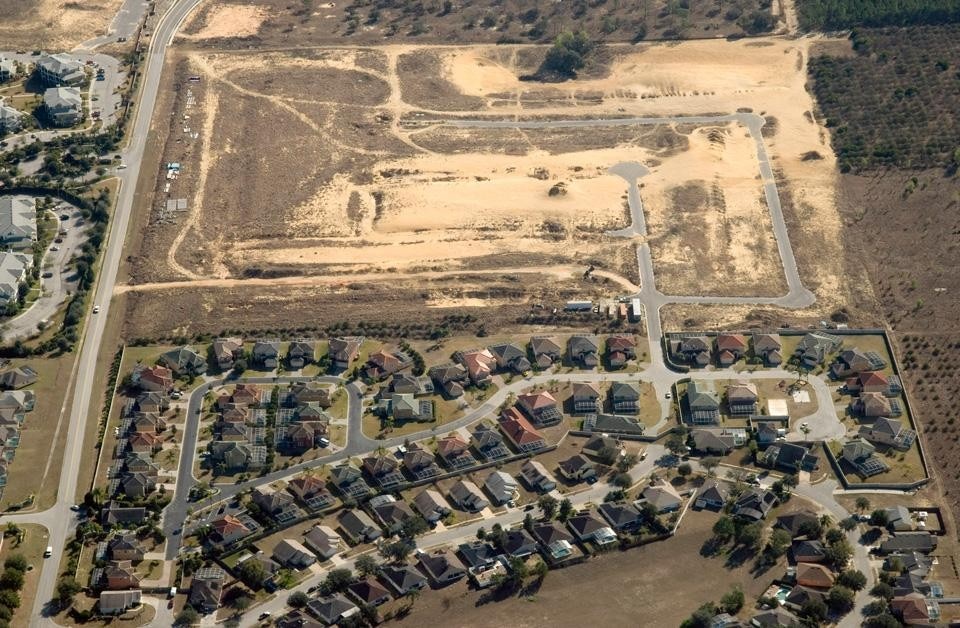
x=232, y=21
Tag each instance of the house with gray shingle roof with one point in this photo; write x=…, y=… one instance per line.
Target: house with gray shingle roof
x=63, y=105
x=11, y=120
x=184, y=360
x=703, y=403
x=60, y=69
x=510, y=357
x=546, y=351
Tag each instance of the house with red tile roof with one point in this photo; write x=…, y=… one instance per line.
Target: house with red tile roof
x=520, y=432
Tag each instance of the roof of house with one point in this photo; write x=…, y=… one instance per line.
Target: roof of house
x=585, y=389
x=451, y=445
x=331, y=608
x=440, y=564
x=574, y=464
x=700, y=396
x=714, y=490
x=537, y=401
x=551, y=532
x=731, y=342
x=545, y=344
x=662, y=495
x=403, y=577
x=368, y=590
x=911, y=607
x=518, y=428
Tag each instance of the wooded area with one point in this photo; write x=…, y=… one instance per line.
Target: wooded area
x=843, y=14
x=895, y=102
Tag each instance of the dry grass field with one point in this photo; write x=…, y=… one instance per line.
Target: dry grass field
x=344, y=171
x=53, y=24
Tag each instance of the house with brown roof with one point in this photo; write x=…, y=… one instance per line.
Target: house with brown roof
x=621, y=348
x=915, y=609
x=520, y=432
x=730, y=347
x=125, y=547
x=302, y=393
x=384, y=470
x=869, y=382
x=541, y=407
x=455, y=452
x=227, y=530
x=311, y=490
x=814, y=575
x=420, y=463
x=301, y=353
x=584, y=350
x=226, y=352
x=449, y=379
x=768, y=348
x=546, y=351
x=742, y=398
x=144, y=442
x=247, y=394
x=369, y=592
x=382, y=364
x=411, y=384
x=120, y=574
x=441, y=566
x=888, y=432
x=577, y=468
x=853, y=361
x=344, y=350
x=479, y=363
x=152, y=378
x=871, y=405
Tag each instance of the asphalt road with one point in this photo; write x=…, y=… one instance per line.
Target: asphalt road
x=54, y=289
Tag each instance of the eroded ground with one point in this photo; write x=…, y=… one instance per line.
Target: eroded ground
x=53, y=24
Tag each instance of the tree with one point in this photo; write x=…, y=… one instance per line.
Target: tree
x=11, y=599
x=18, y=562
x=398, y=551
x=528, y=522
x=675, y=444
x=540, y=570
x=548, y=504
x=852, y=579
x=733, y=601
x=412, y=596
x=607, y=455
x=252, y=573
x=567, y=55
x=815, y=610
x=879, y=518
x=336, y=581
x=840, y=599
x=701, y=618
x=66, y=589
x=241, y=602
x=883, y=620
x=834, y=536
x=367, y=565
x=684, y=469
x=413, y=527
x=298, y=599
x=626, y=462
x=187, y=617
x=839, y=553
x=710, y=464
x=779, y=543
x=863, y=504
x=11, y=579
x=566, y=509
x=750, y=535
x=724, y=528
x=848, y=524
x=882, y=590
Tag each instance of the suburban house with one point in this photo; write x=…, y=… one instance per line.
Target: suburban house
x=60, y=69
x=238, y=456
x=227, y=530
x=332, y=609
x=113, y=514
x=577, y=468
x=501, y=487
x=431, y=505
x=479, y=363
x=18, y=222
x=814, y=575
x=309, y=393
x=63, y=106
x=119, y=575
x=800, y=596
x=814, y=348
x=742, y=398
x=8, y=69
x=411, y=384
x=184, y=361
x=809, y=551
x=915, y=609
x=137, y=485
x=888, y=432
x=612, y=424
x=537, y=477
x=488, y=442
x=713, y=494
x=510, y=357
x=266, y=354
x=323, y=541
x=349, y=481
x=775, y=618
x=384, y=471
x=859, y=454
x=293, y=554
x=406, y=407
x=369, y=592
x=703, y=402
x=420, y=463
x=692, y=349
x=790, y=457
x=206, y=589
x=152, y=378
x=584, y=351
x=11, y=120
x=620, y=350
x=716, y=441
x=588, y=528
x=519, y=543
x=449, y=378
x=358, y=526
x=273, y=502
x=465, y=495
x=801, y=523
x=872, y=405
x=519, y=431
x=905, y=542
x=754, y=504
x=13, y=273
x=403, y=578
x=546, y=351
x=557, y=543
x=874, y=382
x=392, y=514
x=125, y=547
x=899, y=519
x=118, y=602
x=344, y=350
x=586, y=398
x=768, y=348
x=853, y=361
x=663, y=497
x=382, y=364
x=455, y=452
x=441, y=566
x=226, y=352
x=622, y=517
x=625, y=397
x=301, y=353
x=601, y=446
x=541, y=407
x=730, y=347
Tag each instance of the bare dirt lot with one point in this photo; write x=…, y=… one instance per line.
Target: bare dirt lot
x=53, y=24
x=365, y=174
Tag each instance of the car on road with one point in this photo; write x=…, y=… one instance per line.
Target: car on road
x=55, y=248
x=264, y=615
x=122, y=167
x=324, y=442
x=177, y=531
x=47, y=553
x=96, y=309
x=58, y=240
x=47, y=275
x=75, y=507
x=64, y=216
x=668, y=396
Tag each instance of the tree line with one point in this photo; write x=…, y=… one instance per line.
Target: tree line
x=844, y=14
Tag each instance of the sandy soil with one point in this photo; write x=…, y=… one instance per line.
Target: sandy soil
x=53, y=24
x=231, y=21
